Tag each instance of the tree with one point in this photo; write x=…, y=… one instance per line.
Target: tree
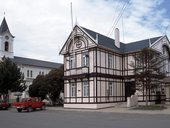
x=51, y=84
x=38, y=88
x=55, y=84
x=148, y=70
x=11, y=79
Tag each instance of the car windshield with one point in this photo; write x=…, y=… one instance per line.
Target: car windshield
x=24, y=100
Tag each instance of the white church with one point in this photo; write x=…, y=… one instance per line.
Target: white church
x=30, y=68
x=97, y=71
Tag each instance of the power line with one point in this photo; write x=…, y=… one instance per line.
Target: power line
x=120, y=15
x=113, y=19
x=166, y=28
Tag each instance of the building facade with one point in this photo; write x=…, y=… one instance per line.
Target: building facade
x=30, y=68
x=97, y=69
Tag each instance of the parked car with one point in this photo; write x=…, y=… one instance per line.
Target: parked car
x=4, y=105
x=29, y=104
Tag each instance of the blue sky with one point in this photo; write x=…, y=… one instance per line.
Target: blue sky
x=166, y=5
x=41, y=27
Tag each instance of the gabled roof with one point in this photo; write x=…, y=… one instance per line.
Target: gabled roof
x=4, y=27
x=129, y=47
x=34, y=62
x=138, y=45
x=103, y=40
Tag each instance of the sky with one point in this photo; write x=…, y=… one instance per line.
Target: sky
x=41, y=27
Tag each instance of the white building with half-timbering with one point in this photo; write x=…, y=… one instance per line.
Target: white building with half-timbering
x=30, y=68
x=97, y=72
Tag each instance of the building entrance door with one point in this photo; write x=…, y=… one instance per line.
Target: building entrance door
x=129, y=89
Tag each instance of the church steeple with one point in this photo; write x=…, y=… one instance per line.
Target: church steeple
x=6, y=40
x=4, y=28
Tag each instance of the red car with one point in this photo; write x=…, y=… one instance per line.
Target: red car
x=4, y=105
x=29, y=104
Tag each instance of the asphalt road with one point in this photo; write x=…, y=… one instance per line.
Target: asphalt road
x=66, y=119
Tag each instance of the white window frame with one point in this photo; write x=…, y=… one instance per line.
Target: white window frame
x=72, y=62
x=73, y=90
x=110, y=89
x=85, y=60
x=85, y=89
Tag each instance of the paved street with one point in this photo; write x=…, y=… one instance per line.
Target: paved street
x=77, y=119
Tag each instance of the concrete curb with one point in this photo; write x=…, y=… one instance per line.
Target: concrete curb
x=114, y=110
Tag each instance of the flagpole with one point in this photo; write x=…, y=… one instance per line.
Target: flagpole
x=71, y=15
x=72, y=21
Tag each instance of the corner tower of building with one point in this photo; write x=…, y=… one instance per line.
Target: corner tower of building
x=6, y=40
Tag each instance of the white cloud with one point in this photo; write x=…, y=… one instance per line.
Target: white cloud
x=41, y=27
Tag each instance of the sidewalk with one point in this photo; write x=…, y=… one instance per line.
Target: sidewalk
x=114, y=110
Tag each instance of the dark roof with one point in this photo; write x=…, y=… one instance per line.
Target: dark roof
x=138, y=45
x=129, y=47
x=103, y=40
x=4, y=27
x=34, y=62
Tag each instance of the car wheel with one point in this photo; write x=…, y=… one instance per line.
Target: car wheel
x=43, y=107
x=19, y=110
x=29, y=109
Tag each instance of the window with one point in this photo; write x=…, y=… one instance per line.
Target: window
x=85, y=89
x=31, y=73
x=85, y=60
x=110, y=89
x=72, y=62
x=6, y=46
x=109, y=61
x=23, y=74
x=39, y=73
x=28, y=73
x=73, y=90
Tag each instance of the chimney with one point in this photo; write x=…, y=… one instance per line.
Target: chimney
x=97, y=38
x=117, y=42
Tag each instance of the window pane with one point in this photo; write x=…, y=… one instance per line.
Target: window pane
x=85, y=88
x=110, y=89
x=27, y=73
x=73, y=90
x=6, y=46
x=110, y=61
x=72, y=62
x=31, y=73
x=85, y=59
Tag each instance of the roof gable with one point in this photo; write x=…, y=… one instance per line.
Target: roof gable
x=79, y=34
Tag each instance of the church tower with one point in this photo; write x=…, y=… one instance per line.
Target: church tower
x=6, y=41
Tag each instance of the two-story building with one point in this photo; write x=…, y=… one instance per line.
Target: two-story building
x=30, y=68
x=97, y=68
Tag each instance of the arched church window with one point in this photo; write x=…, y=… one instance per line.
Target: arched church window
x=6, y=46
